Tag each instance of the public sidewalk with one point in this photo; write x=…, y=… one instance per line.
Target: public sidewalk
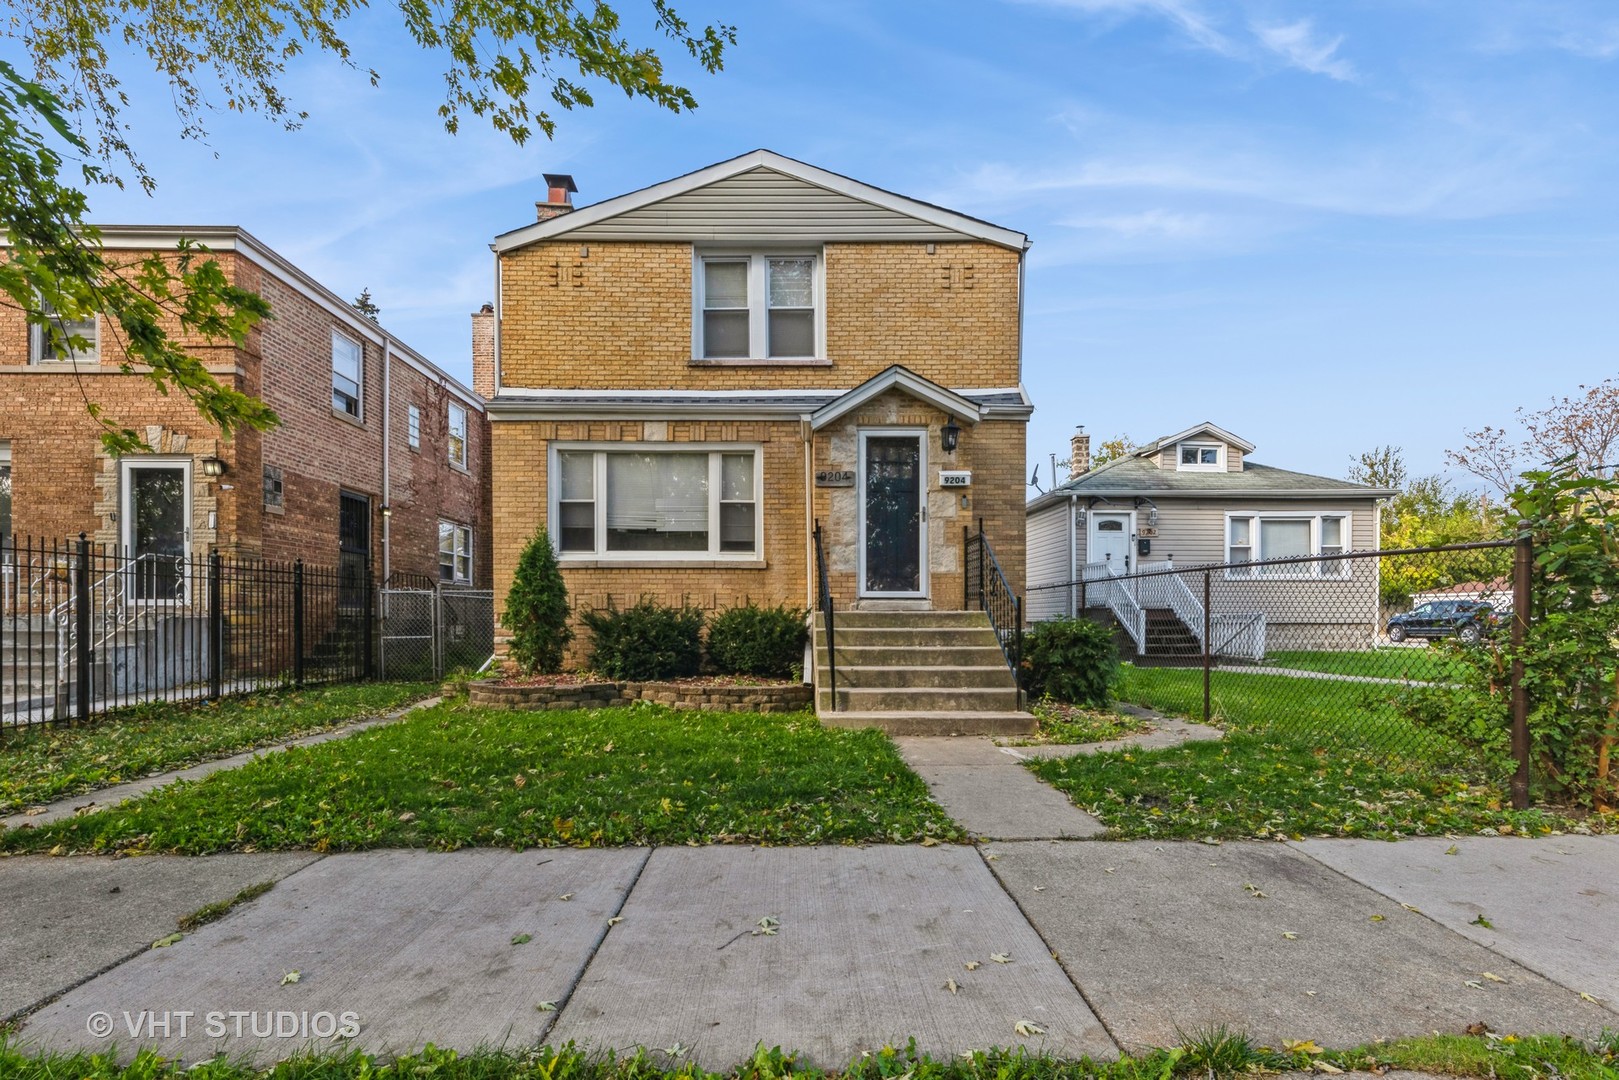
x=830, y=951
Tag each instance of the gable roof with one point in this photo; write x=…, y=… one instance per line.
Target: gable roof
x=1205, y=428
x=1136, y=475
x=761, y=194
x=902, y=378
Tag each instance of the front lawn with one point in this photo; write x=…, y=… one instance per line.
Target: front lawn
x=43, y=764
x=456, y=775
x=1413, y=663
x=1252, y=785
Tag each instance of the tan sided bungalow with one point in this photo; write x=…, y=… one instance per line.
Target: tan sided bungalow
x=684, y=381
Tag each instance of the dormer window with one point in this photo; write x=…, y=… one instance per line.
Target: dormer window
x=757, y=307
x=1201, y=457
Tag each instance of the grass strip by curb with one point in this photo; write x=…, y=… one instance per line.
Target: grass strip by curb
x=1215, y=1054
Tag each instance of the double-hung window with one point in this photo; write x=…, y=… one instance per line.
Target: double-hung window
x=413, y=428
x=1258, y=538
x=348, y=361
x=760, y=307
x=690, y=503
x=458, y=435
x=87, y=348
x=454, y=553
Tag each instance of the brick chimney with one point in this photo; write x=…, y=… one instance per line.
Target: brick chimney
x=559, y=196
x=483, y=351
x=1079, y=461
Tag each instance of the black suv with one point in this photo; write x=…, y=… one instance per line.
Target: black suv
x=1469, y=621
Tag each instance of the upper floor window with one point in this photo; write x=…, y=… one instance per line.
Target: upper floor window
x=41, y=347
x=458, y=435
x=413, y=430
x=348, y=360
x=757, y=307
x=1200, y=457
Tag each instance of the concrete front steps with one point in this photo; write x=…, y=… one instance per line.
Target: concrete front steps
x=917, y=673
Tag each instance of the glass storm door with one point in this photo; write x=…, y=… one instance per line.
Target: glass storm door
x=891, y=509
x=157, y=528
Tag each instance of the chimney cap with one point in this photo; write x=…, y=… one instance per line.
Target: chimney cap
x=560, y=180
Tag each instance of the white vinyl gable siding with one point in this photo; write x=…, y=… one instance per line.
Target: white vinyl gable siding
x=763, y=206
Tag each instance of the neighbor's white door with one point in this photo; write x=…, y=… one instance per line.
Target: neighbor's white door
x=1110, y=540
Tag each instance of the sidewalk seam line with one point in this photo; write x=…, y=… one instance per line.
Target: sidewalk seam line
x=1062, y=967
x=601, y=939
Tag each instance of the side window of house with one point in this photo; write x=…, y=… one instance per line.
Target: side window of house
x=274, y=494
x=5, y=503
x=414, y=428
x=348, y=359
x=679, y=504
x=42, y=349
x=458, y=435
x=454, y=553
x=757, y=307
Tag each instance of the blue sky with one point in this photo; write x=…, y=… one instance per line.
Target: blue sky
x=1322, y=226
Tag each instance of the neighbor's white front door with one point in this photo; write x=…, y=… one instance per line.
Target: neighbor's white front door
x=1110, y=540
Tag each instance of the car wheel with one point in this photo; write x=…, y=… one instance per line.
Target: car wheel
x=1469, y=634
x=1396, y=634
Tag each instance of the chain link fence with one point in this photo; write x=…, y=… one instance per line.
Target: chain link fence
x=1371, y=650
x=426, y=633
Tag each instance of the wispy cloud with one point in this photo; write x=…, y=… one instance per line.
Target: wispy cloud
x=1184, y=15
x=1298, y=44
x=1595, y=43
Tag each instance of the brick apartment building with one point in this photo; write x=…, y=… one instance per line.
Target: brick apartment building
x=683, y=380
x=380, y=454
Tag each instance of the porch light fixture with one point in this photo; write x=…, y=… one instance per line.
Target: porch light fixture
x=212, y=466
x=949, y=435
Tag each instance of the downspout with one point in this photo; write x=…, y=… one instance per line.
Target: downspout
x=1022, y=280
x=1073, y=555
x=808, y=435
x=498, y=297
x=387, y=443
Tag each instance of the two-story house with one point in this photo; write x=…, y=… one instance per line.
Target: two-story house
x=380, y=459
x=684, y=381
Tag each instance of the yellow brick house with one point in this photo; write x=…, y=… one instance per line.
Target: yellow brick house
x=684, y=381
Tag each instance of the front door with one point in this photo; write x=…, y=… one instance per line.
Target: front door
x=893, y=550
x=157, y=528
x=1110, y=540
x=353, y=548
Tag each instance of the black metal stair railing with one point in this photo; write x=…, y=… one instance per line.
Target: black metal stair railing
x=824, y=599
x=985, y=587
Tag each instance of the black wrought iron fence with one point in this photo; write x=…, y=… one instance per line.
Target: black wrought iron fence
x=86, y=628
x=1394, y=652
x=985, y=588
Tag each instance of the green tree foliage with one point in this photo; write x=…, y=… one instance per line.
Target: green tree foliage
x=537, y=609
x=1580, y=433
x=1426, y=512
x=57, y=272
x=1571, y=651
x=1112, y=450
x=753, y=640
x=497, y=57
x=648, y=641
x=1071, y=660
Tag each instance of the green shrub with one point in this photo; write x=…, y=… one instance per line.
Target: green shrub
x=753, y=640
x=537, y=609
x=1071, y=660
x=648, y=641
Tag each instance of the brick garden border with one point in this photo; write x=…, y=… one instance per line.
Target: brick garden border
x=756, y=699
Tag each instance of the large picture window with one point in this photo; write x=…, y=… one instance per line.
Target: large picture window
x=686, y=503
x=762, y=307
x=1257, y=538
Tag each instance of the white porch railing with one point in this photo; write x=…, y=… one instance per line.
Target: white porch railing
x=1102, y=588
x=1171, y=591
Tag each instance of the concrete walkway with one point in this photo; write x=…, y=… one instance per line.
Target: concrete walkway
x=990, y=794
x=1091, y=947
x=102, y=798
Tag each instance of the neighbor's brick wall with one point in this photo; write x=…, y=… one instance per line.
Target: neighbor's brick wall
x=426, y=487
x=520, y=453
x=621, y=318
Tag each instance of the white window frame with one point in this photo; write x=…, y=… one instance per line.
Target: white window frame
x=359, y=384
x=1333, y=570
x=1219, y=457
x=758, y=304
x=38, y=339
x=456, y=441
x=413, y=427
x=460, y=549
x=715, y=452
